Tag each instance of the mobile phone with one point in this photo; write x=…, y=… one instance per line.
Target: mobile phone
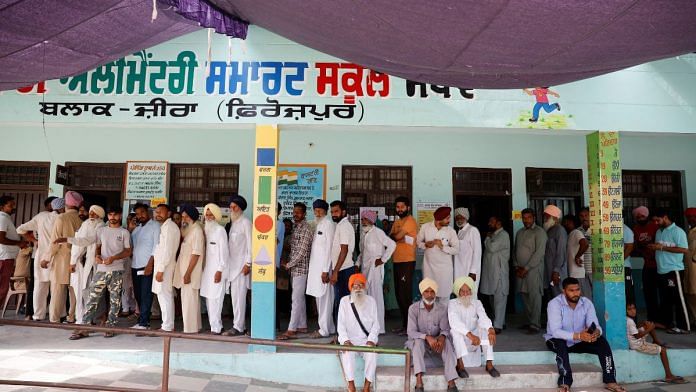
x=592, y=328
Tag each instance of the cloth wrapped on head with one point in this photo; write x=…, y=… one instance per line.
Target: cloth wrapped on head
x=442, y=213
x=642, y=210
x=98, y=210
x=356, y=278
x=427, y=283
x=191, y=211
x=462, y=211
x=215, y=210
x=370, y=215
x=239, y=201
x=553, y=211
x=57, y=203
x=321, y=203
x=461, y=281
x=73, y=199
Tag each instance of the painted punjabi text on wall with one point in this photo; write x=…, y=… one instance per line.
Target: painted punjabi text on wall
x=300, y=183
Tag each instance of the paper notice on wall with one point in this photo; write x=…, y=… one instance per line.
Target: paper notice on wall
x=425, y=210
x=146, y=180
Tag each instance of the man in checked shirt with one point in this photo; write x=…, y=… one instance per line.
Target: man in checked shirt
x=298, y=265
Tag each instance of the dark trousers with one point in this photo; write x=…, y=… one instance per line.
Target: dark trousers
x=650, y=292
x=673, y=313
x=628, y=286
x=142, y=288
x=341, y=290
x=403, y=288
x=600, y=348
x=29, y=309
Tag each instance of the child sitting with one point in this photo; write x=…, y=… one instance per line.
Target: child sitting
x=637, y=341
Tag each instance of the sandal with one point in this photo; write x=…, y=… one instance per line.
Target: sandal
x=563, y=388
x=616, y=388
x=675, y=380
x=316, y=335
x=77, y=335
x=109, y=334
x=493, y=372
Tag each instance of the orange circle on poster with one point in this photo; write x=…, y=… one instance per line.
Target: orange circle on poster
x=263, y=223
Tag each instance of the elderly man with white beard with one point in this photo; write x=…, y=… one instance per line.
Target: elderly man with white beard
x=214, y=278
x=555, y=263
x=470, y=328
x=468, y=261
x=239, y=263
x=358, y=325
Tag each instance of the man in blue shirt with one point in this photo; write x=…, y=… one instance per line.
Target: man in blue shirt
x=571, y=320
x=144, y=238
x=670, y=247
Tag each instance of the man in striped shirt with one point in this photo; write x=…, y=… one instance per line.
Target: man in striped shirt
x=298, y=265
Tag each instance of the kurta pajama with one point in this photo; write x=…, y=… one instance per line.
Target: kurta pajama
x=495, y=273
x=465, y=319
x=468, y=260
x=320, y=262
x=217, y=254
x=41, y=225
x=434, y=322
x=65, y=225
x=84, y=244
x=349, y=330
x=192, y=244
x=240, y=255
x=530, y=245
x=437, y=263
x=165, y=262
x=298, y=264
x=376, y=245
x=555, y=258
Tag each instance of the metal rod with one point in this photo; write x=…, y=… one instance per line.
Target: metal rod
x=407, y=372
x=74, y=386
x=165, y=363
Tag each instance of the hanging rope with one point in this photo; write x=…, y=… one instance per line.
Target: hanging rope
x=154, y=11
x=210, y=52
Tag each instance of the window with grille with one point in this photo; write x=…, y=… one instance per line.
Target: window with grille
x=96, y=176
x=653, y=189
x=560, y=187
x=24, y=175
x=200, y=184
x=375, y=186
x=481, y=182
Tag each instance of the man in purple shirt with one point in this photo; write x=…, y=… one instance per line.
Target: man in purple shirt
x=573, y=328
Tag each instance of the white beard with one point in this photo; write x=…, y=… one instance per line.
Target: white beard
x=549, y=224
x=460, y=225
x=466, y=301
x=366, y=228
x=234, y=216
x=425, y=301
x=209, y=226
x=358, y=297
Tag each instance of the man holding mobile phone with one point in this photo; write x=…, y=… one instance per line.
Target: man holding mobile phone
x=573, y=327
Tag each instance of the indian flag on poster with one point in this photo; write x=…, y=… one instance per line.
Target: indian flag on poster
x=286, y=177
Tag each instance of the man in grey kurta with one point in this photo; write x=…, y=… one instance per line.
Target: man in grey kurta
x=530, y=244
x=555, y=257
x=495, y=270
x=428, y=334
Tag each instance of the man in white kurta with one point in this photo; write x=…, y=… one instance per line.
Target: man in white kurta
x=440, y=242
x=318, y=285
x=165, y=262
x=495, y=272
x=41, y=225
x=351, y=333
x=189, y=264
x=375, y=250
x=84, y=244
x=470, y=328
x=240, y=263
x=214, y=277
x=468, y=261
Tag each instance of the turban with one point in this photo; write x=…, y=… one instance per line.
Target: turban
x=97, y=210
x=442, y=213
x=73, y=199
x=369, y=215
x=239, y=201
x=57, y=203
x=191, y=211
x=553, y=211
x=690, y=211
x=427, y=283
x=461, y=281
x=356, y=278
x=462, y=211
x=320, y=203
x=215, y=210
x=642, y=210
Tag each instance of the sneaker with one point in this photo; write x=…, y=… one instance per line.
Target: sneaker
x=138, y=326
x=532, y=120
x=558, y=107
x=232, y=332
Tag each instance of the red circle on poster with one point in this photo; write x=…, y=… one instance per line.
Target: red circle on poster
x=263, y=223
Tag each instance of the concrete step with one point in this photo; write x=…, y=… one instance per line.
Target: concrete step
x=512, y=377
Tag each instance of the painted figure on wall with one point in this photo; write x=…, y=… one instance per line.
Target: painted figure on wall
x=542, y=101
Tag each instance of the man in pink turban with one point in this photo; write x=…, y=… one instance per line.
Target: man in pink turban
x=440, y=243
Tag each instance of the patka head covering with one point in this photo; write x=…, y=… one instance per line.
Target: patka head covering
x=462, y=211
x=690, y=211
x=73, y=199
x=97, y=210
x=215, y=210
x=442, y=213
x=369, y=215
x=427, y=283
x=57, y=203
x=356, y=278
x=553, y=211
x=321, y=203
x=461, y=281
x=190, y=210
x=239, y=201
x=642, y=210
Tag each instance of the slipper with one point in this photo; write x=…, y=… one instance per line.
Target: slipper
x=675, y=380
x=316, y=335
x=493, y=372
x=109, y=334
x=563, y=388
x=617, y=388
x=78, y=335
x=419, y=389
x=462, y=373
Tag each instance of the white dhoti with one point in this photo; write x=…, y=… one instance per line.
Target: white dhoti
x=325, y=312
x=348, y=360
x=470, y=354
x=214, y=309
x=238, y=294
x=298, y=311
x=375, y=289
x=190, y=309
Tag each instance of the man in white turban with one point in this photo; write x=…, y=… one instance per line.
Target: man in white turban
x=555, y=263
x=428, y=331
x=214, y=278
x=471, y=329
x=467, y=262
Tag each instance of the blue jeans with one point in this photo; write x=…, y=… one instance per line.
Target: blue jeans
x=142, y=288
x=341, y=289
x=548, y=107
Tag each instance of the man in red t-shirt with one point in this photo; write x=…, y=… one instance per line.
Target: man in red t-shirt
x=542, y=101
x=644, y=232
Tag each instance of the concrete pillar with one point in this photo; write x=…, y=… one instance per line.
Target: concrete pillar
x=263, y=241
x=606, y=201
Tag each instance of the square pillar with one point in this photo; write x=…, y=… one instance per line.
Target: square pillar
x=606, y=223
x=263, y=240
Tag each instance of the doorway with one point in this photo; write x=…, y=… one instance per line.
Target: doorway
x=98, y=183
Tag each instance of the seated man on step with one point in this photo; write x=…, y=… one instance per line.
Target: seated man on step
x=428, y=331
x=471, y=329
x=573, y=328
